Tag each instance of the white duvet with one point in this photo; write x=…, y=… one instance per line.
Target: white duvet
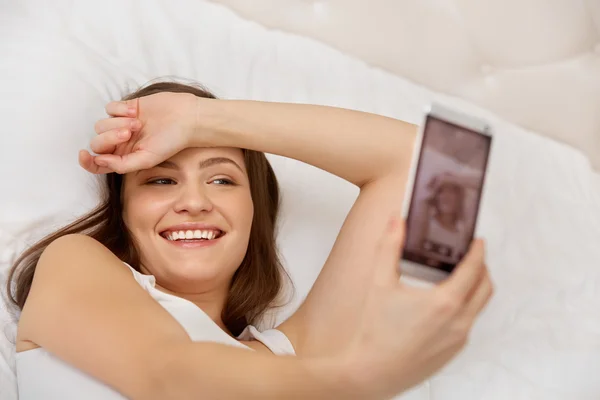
x=61, y=61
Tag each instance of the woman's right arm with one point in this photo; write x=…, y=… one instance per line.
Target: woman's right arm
x=85, y=307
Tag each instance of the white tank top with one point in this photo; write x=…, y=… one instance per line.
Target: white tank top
x=41, y=375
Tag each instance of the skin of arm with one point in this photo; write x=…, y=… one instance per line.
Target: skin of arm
x=371, y=151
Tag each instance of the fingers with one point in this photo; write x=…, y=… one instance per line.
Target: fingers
x=107, y=142
x=127, y=163
x=112, y=132
x=480, y=298
x=467, y=275
x=86, y=161
x=128, y=108
x=389, y=252
x=109, y=124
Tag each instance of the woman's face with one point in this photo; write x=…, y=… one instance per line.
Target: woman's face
x=448, y=199
x=190, y=217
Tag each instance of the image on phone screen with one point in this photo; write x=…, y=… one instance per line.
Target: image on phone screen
x=446, y=194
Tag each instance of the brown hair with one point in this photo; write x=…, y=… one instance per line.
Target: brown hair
x=256, y=285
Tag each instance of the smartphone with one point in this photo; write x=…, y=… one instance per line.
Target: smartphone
x=444, y=192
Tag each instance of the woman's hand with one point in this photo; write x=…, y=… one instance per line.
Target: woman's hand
x=408, y=333
x=141, y=133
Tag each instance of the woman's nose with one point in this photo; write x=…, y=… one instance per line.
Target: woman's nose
x=193, y=199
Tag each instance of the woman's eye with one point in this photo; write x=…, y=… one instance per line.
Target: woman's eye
x=222, y=181
x=162, y=181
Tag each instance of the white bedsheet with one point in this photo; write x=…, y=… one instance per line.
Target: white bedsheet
x=61, y=61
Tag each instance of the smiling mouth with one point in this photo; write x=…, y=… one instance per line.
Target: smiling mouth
x=192, y=235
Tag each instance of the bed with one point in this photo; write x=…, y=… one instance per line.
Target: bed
x=61, y=61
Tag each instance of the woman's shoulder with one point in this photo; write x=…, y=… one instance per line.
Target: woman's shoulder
x=77, y=249
x=73, y=241
x=67, y=265
x=70, y=246
x=78, y=246
x=71, y=254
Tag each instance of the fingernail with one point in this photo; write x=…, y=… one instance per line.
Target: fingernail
x=132, y=111
x=124, y=134
x=101, y=163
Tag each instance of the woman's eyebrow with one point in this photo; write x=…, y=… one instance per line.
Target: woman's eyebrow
x=209, y=162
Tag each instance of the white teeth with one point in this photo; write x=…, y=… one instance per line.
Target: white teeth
x=195, y=234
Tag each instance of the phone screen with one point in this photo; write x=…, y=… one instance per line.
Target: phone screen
x=447, y=191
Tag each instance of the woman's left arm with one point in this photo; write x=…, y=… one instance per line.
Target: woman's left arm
x=369, y=150
x=357, y=146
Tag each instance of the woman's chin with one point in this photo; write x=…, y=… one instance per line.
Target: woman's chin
x=188, y=271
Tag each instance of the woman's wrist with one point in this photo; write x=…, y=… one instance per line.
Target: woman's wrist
x=210, y=121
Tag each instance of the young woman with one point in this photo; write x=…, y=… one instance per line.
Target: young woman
x=156, y=294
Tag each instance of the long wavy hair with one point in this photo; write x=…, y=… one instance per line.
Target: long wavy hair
x=258, y=284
